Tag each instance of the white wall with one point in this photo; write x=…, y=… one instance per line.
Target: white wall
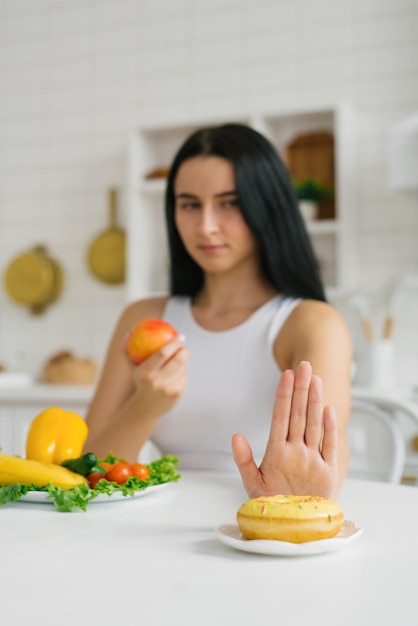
x=76, y=76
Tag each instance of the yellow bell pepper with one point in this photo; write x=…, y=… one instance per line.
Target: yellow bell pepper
x=56, y=435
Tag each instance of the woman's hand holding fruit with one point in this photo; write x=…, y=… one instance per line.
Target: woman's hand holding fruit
x=144, y=376
x=160, y=360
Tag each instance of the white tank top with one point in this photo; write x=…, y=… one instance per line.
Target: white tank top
x=231, y=384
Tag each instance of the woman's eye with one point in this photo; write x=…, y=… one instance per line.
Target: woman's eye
x=189, y=206
x=229, y=204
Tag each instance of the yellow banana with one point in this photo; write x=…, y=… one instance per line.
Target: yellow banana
x=14, y=469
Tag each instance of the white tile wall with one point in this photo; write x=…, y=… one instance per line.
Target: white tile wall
x=76, y=76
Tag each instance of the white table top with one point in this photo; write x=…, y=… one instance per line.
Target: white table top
x=156, y=561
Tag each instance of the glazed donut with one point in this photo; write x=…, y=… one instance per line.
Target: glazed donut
x=290, y=518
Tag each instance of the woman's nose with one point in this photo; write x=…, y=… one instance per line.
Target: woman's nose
x=208, y=220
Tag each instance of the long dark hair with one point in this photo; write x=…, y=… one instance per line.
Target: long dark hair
x=268, y=205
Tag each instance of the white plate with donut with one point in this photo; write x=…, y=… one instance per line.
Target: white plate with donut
x=230, y=535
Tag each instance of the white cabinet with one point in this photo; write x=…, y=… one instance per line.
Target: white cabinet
x=153, y=147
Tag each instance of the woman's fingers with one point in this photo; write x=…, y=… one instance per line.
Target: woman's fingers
x=298, y=411
x=241, y=449
x=297, y=424
x=162, y=359
x=279, y=428
x=175, y=372
x=165, y=353
x=330, y=440
x=244, y=460
x=314, y=420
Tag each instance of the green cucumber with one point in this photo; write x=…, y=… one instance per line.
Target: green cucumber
x=84, y=465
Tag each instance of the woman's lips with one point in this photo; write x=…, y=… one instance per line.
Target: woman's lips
x=211, y=249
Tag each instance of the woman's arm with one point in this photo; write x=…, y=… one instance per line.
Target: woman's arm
x=129, y=399
x=307, y=451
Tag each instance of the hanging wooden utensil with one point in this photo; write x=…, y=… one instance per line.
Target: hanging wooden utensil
x=34, y=279
x=106, y=253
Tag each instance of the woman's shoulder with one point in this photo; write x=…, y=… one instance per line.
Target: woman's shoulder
x=313, y=316
x=312, y=324
x=145, y=308
x=312, y=311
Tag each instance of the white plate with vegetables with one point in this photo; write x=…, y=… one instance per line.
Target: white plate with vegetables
x=44, y=497
x=160, y=473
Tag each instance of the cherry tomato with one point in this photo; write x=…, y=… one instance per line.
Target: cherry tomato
x=119, y=472
x=94, y=478
x=105, y=465
x=140, y=471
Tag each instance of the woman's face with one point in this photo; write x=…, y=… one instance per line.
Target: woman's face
x=208, y=216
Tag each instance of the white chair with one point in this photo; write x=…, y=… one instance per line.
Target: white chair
x=377, y=441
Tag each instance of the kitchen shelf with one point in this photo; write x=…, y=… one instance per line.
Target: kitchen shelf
x=46, y=394
x=154, y=147
x=323, y=227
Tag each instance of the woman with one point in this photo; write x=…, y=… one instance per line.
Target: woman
x=246, y=294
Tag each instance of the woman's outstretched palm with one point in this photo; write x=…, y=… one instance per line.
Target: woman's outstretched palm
x=301, y=452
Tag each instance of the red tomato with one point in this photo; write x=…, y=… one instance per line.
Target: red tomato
x=119, y=472
x=140, y=471
x=94, y=478
x=146, y=337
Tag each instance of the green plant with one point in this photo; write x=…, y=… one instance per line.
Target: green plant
x=311, y=189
